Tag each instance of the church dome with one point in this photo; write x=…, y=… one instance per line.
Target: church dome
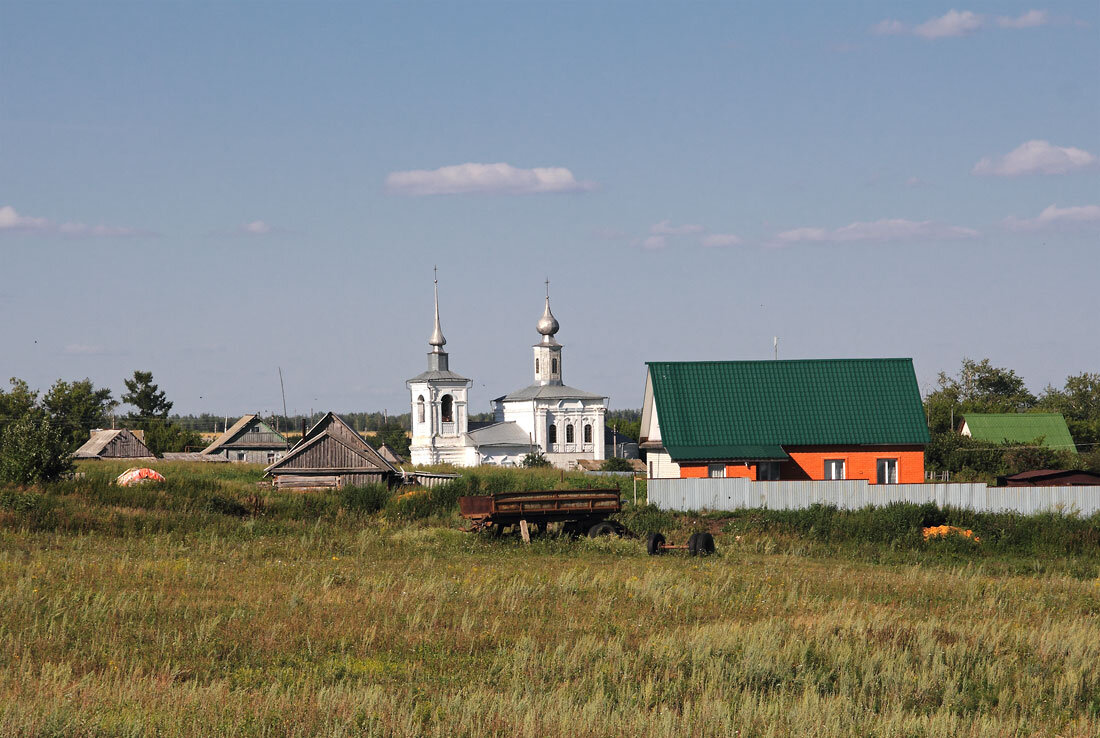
x=548, y=324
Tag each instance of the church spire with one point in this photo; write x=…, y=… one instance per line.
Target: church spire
x=437, y=357
x=437, y=341
x=548, y=324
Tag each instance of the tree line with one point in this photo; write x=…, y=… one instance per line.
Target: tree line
x=980, y=387
x=39, y=432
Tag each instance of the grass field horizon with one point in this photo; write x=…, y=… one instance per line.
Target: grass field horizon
x=169, y=611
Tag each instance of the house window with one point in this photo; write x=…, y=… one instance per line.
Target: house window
x=886, y=471
x=553, y=366
x=240, y=456
x=834, y=468
x=767, y=471
x=588, y=433
x=569, y=433
x=420, y=409
x=446, y=409
x=552, y=435
x=716, y=471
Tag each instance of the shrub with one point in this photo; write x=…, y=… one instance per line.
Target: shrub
x=616, y=464
x=369, y=498
x=534, y=459
x=33, y=450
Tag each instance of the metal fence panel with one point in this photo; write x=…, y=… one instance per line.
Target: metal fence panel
x=735, y=494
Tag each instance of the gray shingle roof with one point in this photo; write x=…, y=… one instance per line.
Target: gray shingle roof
x=550, y=392
x=499, y=434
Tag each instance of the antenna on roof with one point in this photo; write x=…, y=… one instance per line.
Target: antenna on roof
x=282, y=389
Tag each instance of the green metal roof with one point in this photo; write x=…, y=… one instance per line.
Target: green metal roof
x=1021, y=428
x=713, y=410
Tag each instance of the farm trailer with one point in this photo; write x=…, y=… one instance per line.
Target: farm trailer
x=581, y=511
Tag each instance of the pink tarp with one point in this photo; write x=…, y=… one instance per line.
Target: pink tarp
x=136, y=476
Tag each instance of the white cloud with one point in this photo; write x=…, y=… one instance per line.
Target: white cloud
x=654, y=243
x=1054, y=216
x=956, y=23
x=951, y=23
x=888, y=28
x=718, y=240
x=1036, y=157
x=665, y=228
x=1030, y=19
x=82, y=349
x=256, y=228
x=12, y=221
x=496, y=179
x=897, y=229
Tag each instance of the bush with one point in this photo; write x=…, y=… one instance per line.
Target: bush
x=534, y=459
x=369, y=498
x=616, y=464
x=33, y=450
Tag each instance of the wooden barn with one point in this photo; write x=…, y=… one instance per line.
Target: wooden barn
x=331, y=454
x=114, y=444
x=250, y=440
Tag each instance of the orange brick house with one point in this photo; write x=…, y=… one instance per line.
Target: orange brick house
x=806, y=419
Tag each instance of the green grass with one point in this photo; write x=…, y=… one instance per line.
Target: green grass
x=151, y=612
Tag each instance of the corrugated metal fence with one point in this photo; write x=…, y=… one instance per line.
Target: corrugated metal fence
x=735, y=494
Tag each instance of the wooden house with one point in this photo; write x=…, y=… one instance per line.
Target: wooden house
x=819, y=419
x=250, y=440
x=331, y=454
x=114, y=444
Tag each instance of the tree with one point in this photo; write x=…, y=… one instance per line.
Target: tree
x=979, y=387
x=17, y=402
x=534, y=460
x=146, y=396
x=164, y=435
x=77, y=407
x=617, y=464
x=1079, y=402
x=33, y=449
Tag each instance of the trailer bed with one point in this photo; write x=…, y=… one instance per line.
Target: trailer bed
x=580, y=507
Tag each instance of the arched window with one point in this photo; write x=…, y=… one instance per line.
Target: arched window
x=569, y=433
x=553, y=366
x=588, y=433
x=420, y=409
x=446, y=409
x=552, y=434
x=536, y=366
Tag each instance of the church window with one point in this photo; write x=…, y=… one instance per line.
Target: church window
x=588, y=433
x=552, y=435
x=536, y=366
x=553, y=366
x=446, y=409
x=420, y=409
x=569, y=433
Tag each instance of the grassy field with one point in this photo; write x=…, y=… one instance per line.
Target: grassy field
x=166, y=613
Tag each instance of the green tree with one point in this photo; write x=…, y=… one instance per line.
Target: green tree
x=77, y=407
x=534, y=460
x=979, y=387
x=617, y=464
x=149, y=400
x=17, y=402
x=162, y=436
x=33, y=449
x=1079, y=402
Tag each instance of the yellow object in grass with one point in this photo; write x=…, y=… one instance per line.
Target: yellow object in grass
x=942, y=531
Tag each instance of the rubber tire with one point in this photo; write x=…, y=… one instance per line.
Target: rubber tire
x=601, y=529
x=693, y=545
x=653, y=545
x=704, y=545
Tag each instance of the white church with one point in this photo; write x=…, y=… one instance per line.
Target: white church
x=563, y=423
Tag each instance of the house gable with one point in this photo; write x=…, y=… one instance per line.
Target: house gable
x=250, y=432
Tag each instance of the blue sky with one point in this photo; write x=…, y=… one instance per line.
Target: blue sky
x=213, y=190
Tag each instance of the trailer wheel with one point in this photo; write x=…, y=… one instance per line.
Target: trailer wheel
x=693, y=545
x=704, y=544
x=653, y=545
x=601, y=529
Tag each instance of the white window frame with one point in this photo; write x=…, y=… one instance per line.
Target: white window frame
x=830, y=469
x=716, y=471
